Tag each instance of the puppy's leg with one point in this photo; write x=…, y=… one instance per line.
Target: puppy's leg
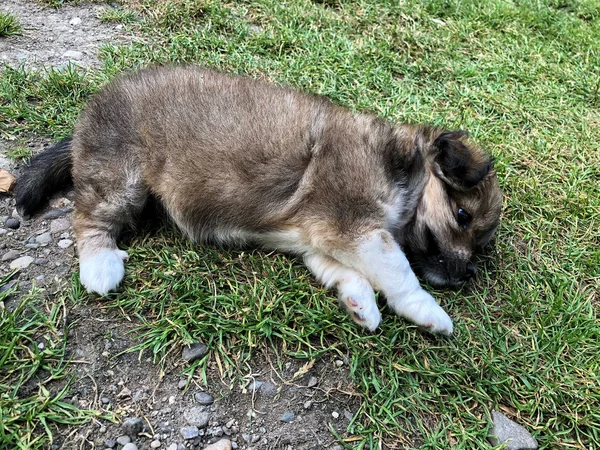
x=354, y=291
x=99, y=217
x=378, y=257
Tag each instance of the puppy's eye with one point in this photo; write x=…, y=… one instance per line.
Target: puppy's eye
x=463, y=218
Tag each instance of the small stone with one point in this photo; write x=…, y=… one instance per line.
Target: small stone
x=189, y=432
x=122, y=440
x=307, y=404
x=56, y=213
x=40, y=278
x=182, y=384
x=269, y=389
x=129, y=446
x=513, y=435
x=223, y=444
x=73, y=54
x=335, y=414
x=44, y=239
x=21, y=263
x=60, y=225
x=204, y=398
x=254, y=386
x=348, y=415
x=105, y=400
x=32, y=245
x=41, y=261
x=172, y=400
x=287, y=417
x=110, y=443
x=193, y=352
x=196, y=417
x=65, y=243
x=234, y=445
x=132, y=426
x=3, y=231
x=339, y=363
x=312, y=382
x=172, y=447
x=75, y=21
x=155, y=443
x=12, y=223
x=10, y=255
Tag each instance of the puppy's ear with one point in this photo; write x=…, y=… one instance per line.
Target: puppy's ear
x=457, y=163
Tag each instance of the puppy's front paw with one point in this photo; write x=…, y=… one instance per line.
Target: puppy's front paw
x=357, y=296
x=102, y=272
x=421, y=309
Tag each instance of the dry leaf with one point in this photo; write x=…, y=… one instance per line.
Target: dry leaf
x=7, y=181
x=303, y=370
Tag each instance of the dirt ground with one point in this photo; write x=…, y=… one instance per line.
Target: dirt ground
x=270, y=410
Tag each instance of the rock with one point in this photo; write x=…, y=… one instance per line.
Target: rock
x=194, y=352
x=172, y=447
x=41, y=261
x=513, y=435
x=339, y=362
x=123, y=440
x=234, y=445
x=75, y=21
x=155, y=443
x=223, y=444
x=32, y=245
x=312, y=382
x=21, y=263
x=307, y=404
x=105, y=400
x=10, y=255
x=56, y=213
x=189, y=432
x=254, y=386
x=203, y=398
x=132, y=426
x=196, y=417
x=12, y=223
x=73, y=54
x=3, y=231
x=182, y=384
x=335, y=414
x=287, y=417
x=65, y=243
x=129, y=446
x=44, y=239
x=110, y=443
x=60, y=225
x=269, y=389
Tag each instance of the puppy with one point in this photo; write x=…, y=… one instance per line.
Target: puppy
x=237, y=161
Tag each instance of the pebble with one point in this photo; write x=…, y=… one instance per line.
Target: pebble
x=269, y=389
x=75, y=21
x=129, y=446
x=172, y=447
x=182, y=384
x=155, y=443
x=287, y=417
x=21, y=263
x=32, y=245
x=3, y=231
x=223, y=444
x=254, y=386
x=234, y=445
x=56, y=213
x=105, y=400
x=307, y=404
x=10, y=255
x=41, y=261
x=513, y=435
x=204, y=398
x=73, y=54
x=110, y=443
x=12, y=223
x=312, y=382
x=193, y=352
x=339, y=362
x=335, y=414
x=123, y=440
x=65, y=243
x=44, y=239
x=132, y=426
x=189, y=432
x=59, y=225
x=196, y=417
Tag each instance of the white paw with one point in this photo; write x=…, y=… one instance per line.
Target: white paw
x=102, y=272
x=421, y=309
x=357, y=296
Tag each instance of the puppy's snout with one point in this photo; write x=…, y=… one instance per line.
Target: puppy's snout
x=470, y=271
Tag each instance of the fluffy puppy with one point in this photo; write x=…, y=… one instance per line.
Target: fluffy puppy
x=237, y=161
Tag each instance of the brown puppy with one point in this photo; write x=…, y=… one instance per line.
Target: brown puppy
x=234, y=160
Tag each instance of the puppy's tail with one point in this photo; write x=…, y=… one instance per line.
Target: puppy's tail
x=46, y=173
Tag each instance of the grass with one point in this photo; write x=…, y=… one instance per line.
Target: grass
x=523, y=77
x=9, y=25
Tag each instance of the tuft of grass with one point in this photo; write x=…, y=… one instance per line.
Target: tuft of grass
x=9, y=25
x=522, y=77
x=32, y=359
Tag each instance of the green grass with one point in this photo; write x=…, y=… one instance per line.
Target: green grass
x=523, y=77
x=9, y=25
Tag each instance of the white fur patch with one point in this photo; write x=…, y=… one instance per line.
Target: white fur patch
x=420, y=308
x=103, y=271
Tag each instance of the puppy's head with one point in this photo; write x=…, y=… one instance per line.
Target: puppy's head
x=458, y=212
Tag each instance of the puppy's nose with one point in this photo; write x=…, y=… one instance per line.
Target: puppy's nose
x=470, y=270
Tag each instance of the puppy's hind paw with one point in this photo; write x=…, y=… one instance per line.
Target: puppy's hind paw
x=103, y=272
